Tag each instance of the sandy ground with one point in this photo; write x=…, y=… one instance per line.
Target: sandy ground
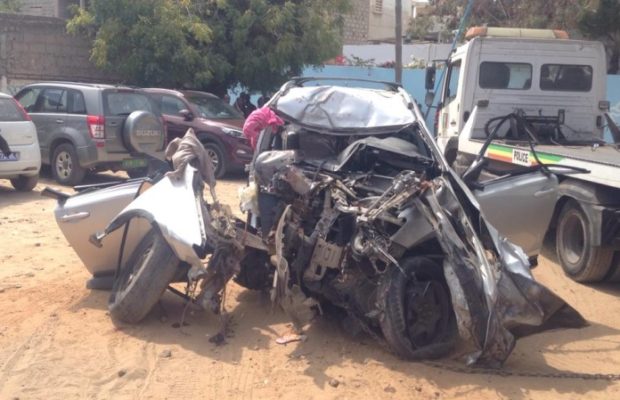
x=58, y=342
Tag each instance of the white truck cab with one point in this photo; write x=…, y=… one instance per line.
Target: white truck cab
x=538, y=71
x=558, y=87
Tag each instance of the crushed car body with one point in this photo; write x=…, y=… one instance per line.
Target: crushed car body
x=350, y=203
x=369, y=209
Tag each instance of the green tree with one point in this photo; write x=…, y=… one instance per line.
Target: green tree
x=603, y=23
x=551, y=14
x=211, y=44
x=420, y=27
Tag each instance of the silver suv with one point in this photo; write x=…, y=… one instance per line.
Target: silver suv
x=84, y=127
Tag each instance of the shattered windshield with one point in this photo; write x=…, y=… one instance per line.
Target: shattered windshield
x=336, y=108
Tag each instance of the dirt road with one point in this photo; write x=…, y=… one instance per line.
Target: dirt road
x=58, y=342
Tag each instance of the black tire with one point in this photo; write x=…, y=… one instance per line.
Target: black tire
x=423, y=280
x=580, y=260
x=66, y=168
x=220, y=163
x=143, y=279
x=25, y=183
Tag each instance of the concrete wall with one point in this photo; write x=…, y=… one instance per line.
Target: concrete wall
x=382, y=24
x=48, y=8
x=37, y=48
x=385, y=52
x=355, y=28
x=42, y=8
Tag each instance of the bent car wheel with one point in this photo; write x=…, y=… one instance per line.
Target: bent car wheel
x=580, y=260
x=217, y=157
x=418, y=320
x=25, y=183
x=143, y=279
x=66, y=167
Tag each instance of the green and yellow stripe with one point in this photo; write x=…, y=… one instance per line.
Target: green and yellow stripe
x=499, y=153
x=504, y=153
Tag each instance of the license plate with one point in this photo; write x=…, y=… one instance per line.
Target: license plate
x=134, y=163
x=13, y=156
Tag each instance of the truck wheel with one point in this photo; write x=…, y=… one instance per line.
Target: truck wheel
x=217, y=157
x=25, y=183
x=418, y=320
x=66, y=167
x=143, y=279
x=580, y=260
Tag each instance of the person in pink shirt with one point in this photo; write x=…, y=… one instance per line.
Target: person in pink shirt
x=258, y=120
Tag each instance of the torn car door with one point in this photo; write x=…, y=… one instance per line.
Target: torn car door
x=520, y=207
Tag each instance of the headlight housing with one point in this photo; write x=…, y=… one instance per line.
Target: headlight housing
x=233, y=132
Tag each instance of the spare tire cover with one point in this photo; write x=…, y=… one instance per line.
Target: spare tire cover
x=143, y=132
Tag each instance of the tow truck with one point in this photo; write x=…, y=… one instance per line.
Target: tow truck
x=555, y=90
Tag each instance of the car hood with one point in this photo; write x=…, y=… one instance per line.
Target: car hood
x=336, y=109
x=221, y=123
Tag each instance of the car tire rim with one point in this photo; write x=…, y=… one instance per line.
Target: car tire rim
x=64, y=164
x=214, y=158
x=573, y=238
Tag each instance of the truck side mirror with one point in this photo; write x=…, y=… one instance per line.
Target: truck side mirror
x=429, y=98
x=429, y=82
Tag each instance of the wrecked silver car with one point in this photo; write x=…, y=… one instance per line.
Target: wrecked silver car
x=349, y=203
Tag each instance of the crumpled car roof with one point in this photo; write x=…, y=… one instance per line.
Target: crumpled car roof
x=345, y=109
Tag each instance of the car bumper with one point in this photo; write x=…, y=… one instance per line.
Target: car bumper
x=239, y=153
x=29, y=163
x=92, y=156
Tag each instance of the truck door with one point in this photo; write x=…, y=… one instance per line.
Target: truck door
x=448, y=124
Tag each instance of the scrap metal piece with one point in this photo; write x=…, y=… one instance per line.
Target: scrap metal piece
x=296, y=178
x=280, y=278
x=495, y=298
x=405, y=185
x=326, y=255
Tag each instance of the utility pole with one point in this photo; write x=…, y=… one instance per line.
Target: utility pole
x=399, y=42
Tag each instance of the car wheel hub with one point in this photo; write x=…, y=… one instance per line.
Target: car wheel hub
x=574, y=239
x=64, y=164
x=214, y=158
